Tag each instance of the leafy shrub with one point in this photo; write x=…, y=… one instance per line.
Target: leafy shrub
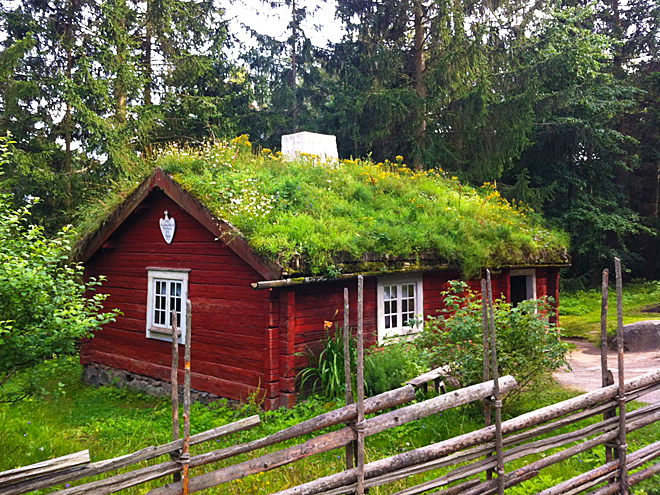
x=384, y=368
x=528, y=345
x=388, y=368
x=43, y=307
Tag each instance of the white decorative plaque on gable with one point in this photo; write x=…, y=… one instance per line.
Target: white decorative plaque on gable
x=167, y=227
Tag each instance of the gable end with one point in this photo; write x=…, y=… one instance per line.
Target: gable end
x=223, y=230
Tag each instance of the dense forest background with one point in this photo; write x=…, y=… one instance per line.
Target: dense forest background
x=555, y=102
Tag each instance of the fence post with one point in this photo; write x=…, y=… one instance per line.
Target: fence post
x=496, y=393
x=623, y=472
x=347, y=374
x=185, y=449
x=175, y=390
x=360, y=387
x=606, y=379
x=486, y=354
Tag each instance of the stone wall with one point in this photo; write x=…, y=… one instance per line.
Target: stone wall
x=101, y=375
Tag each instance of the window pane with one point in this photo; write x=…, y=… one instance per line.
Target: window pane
x=408, y=304
x=160, y=302
x=175, y=302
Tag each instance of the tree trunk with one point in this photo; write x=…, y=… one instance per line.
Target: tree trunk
x=68, y=124
x=294, y=110
x=618, y=36
x=420, y=85
x=120, y=87
x=146, y=55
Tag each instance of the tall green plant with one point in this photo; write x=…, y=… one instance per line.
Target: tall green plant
x=328, y=372
x=390, y=367
x=528, y=345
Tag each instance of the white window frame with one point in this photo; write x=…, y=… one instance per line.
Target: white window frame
x=530, y=280
x=399, y=330
x=160, y=332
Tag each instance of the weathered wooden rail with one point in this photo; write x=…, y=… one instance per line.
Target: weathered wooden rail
x=462, y=461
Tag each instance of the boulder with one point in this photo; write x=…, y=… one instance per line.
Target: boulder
x=641, y=336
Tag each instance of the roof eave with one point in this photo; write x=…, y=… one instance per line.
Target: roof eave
x=292, y=281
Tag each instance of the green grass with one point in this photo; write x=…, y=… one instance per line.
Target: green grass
x=311, y=216
x=579, y=312
x=111, y=422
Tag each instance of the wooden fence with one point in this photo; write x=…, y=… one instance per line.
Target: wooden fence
x=472, y=464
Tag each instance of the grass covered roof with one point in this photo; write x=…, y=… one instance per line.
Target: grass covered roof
x=354, y=215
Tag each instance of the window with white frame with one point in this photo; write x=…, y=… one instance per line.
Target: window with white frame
x=167, y=292
x=400, y=306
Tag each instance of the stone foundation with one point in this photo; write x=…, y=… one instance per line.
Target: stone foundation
x=101, y=375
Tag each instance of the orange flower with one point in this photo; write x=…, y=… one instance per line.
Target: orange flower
x=327, y=324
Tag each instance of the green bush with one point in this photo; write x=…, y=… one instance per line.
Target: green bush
x=43, y=303
x=390, y=367
x=384, y=368
x=528, y=345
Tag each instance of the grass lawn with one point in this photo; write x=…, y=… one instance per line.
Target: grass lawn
x=71, y=416
x=579, y=312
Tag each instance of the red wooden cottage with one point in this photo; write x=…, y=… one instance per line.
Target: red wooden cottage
x=162, y=246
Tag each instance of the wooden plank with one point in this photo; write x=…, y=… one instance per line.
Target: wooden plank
x=40, y=468
x=532, y=448
x=348, y=394
x=499, y=469
x=427, y=377
x=360, y=426
x=185, y=448
x=623, y=473
x=130, y=262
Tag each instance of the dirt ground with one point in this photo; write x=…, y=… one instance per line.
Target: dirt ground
x=586, y=374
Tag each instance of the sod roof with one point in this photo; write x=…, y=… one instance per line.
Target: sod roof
x=311, y=217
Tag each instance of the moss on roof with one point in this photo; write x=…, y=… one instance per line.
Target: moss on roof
x=315, y=217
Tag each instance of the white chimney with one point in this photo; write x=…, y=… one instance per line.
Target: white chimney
x=322, y=145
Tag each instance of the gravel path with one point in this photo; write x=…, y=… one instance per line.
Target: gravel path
x=586, y=375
